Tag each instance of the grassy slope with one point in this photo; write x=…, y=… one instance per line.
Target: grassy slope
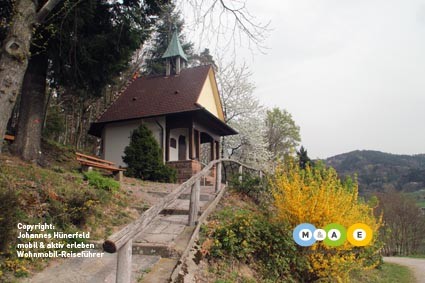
x=56, y=194
x=388, y=273
x=228, y=270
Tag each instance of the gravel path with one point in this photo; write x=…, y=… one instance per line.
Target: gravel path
x=415, y=264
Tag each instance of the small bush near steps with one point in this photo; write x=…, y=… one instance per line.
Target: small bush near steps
x=96, y=180
x=144, y=158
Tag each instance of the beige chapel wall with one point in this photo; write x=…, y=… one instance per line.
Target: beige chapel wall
x=117, y=137
x=209, y=97
x=157, y=126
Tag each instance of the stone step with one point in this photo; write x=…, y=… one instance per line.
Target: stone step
x=181, y=207
x=173, y=211
x=162, y=230
x=202, y=197
x=166, y=236
x=183, y=204
x=150, y=249
x=161, y=272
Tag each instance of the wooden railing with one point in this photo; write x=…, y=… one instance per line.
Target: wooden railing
x=121, y=241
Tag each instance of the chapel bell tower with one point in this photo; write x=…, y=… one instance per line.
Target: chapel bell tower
x=174, y=55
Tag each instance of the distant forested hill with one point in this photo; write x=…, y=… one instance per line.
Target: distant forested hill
x=379, y=171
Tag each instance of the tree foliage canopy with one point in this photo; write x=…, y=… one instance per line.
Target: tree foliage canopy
x=244, y=113
x=95, y=40
x=6, y=12
x=404, y=224
x=282, y=134
x=169, y=19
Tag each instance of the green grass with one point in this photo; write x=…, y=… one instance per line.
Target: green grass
x=417, y=256
x=31, y=194
x=387, y=273
x=421, y=203
x=419, y=197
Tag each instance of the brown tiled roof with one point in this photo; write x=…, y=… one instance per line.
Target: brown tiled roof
x=159, y=95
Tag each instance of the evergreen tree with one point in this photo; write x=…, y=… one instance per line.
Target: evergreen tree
x=81, y=49
x=169, y=20
x=6, y=13
x=303, y=159
x=203, y=58
x=144, y=158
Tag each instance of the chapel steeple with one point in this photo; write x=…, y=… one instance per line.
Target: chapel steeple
x=174, y=54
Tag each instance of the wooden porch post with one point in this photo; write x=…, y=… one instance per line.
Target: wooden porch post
x=167, y=144
x=212, y=143
x=191, y=137
x=217, y=149
x=197, y=144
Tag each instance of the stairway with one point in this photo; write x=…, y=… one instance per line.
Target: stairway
x=156, y=249
x=167, y=236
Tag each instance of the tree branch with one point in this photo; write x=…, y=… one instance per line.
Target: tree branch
x=46, y=9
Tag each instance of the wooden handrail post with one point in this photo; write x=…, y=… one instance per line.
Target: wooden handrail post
x=194, y=202
x=124, y=263
x=240, y=173
x=121, y=241
x=218, y=177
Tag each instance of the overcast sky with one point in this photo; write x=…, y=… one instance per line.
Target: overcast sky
x=352, y=73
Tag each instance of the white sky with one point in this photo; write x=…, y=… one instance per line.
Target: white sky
x=352, y=73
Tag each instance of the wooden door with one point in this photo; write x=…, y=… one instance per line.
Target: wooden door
x=182, y=148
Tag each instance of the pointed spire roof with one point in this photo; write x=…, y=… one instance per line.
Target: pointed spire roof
x=174, y=47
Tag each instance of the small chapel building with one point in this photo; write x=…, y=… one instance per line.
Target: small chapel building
x=182, y=109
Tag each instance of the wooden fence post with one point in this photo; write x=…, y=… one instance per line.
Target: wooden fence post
x=124, y=263
x=240, y=173
x=218, y=177
x=194, y=202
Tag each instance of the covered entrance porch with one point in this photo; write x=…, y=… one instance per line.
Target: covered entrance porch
x=185, y=134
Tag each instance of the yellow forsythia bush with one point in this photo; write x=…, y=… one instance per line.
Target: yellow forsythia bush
x=316, y=195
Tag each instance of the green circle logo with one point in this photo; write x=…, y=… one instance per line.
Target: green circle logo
x=336, y=235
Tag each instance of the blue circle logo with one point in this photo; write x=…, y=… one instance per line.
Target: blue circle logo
x=303, y=234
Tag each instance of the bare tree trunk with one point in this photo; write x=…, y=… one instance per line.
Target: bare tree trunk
x=14, y=58
x=30, y=124
x=15, y=53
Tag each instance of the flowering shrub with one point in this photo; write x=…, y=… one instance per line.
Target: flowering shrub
x=251, y=238
x=316, y=195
